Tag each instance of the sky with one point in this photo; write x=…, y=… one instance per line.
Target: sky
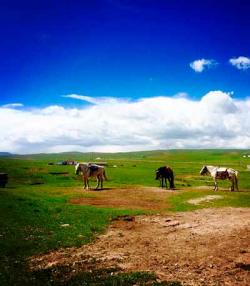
x=123, y=75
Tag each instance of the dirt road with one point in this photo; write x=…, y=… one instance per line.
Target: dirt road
x=204, y=247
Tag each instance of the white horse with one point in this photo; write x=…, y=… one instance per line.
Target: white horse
x=222, y=174
x=91, y=170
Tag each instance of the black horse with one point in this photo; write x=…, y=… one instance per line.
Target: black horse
x=3, y=180
x=163, y=174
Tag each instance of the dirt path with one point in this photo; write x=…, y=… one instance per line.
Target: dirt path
x=205, y=247
x=205, y=199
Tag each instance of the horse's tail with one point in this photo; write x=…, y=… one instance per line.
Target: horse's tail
x=104, y=175
x=171, y=183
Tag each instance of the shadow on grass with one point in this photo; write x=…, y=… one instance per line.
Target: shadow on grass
x=71, y=276
x=98, y=190
x=106, y=277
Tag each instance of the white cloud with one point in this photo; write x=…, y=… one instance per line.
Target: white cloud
x=217, y=120
x=200, y=65
x=94, y=100
x=219, y=102
x=12, y=105
x=241, y=63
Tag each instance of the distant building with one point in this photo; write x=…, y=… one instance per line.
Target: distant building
x=69, y=162
x=66, y=162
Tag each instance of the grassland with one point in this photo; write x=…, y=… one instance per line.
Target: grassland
x=34, y=207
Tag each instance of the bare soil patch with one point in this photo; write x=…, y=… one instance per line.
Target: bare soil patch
x=150, y=198
x=204, y=199
x=204, y=247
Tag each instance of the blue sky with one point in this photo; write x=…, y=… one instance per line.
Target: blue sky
x=120, y=48
x=88, y=54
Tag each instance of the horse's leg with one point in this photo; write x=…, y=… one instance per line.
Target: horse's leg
x=171, y=186
x=98, y=182
x=215, y=185
x=232, y=185
x=162, y=182
x=236, y=183
x=166, y=182
x=101, y=179
x=85, y=182
x=170, y=183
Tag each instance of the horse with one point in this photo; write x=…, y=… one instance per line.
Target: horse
x=91, y=170
x=163, y=174
x=221, y=173
x=3, y=180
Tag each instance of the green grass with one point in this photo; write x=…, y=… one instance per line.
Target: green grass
x=179, y=202
x=34, y=205
x=32, y=222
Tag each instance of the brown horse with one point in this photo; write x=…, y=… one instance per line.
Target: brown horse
x=163, y=174
x=91, y=170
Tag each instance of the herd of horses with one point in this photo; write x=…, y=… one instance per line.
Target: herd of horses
x=163, y=174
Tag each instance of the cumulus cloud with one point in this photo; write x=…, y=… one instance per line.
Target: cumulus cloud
x=219, y=102
x=241, y=63
x=202, y=64
x=217, y=120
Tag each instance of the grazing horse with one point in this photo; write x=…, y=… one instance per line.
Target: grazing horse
x=222, y=174
x=91, y=170
x=163, y=174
